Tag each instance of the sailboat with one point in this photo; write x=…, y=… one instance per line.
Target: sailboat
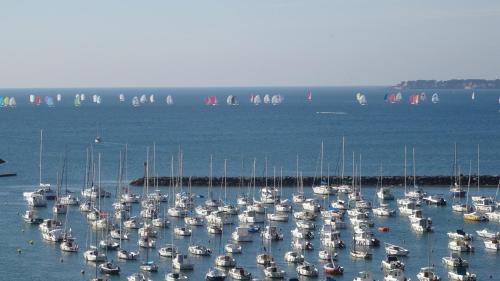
x=361, y=98
x=152, y=98
x=77, y=101
x=267, y=99
x=322, y=188
x=135, y=101
x=231, y=100
x=12, y=102
x=309, y=96
x=143, y=99
x=473, y=96
x=456, y=189
x=169, y=100
x=43, y=192
x=256, y=100
x=435, y=98
x=121, y=97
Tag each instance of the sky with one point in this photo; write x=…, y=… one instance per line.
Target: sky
x=125, y=43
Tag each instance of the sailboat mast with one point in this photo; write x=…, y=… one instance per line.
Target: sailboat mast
x=321, y=164
x=40, y=159
x=225, y=180
x=343, y=159
x=405, y=170
x=478, y=168
x=414, y=169
x=455, y=164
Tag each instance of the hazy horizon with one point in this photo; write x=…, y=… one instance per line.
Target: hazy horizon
x=276, y=43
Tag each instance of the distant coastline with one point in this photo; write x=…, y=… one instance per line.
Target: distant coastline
x=467, y=84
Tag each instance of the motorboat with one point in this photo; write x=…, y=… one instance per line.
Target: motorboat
x=182, y=231
x=109, y=268
x=326, y=255
x=233, y=248
x=108, y=244
x=69, y=245
x=225, y=261
x=250, y=216
x=461, y=274
x=138, y=277
x=333, y=268
x=199, y=250
x=475, y=216
x=214, y=229
x=31, y=217
x=304, y=215
x=486, y=233
x=311, y=205
x=149, y=266
x=272, y=233
x=301, y=233
x=459, y=234
x=118, y=234
x=364, y=276
x=384, y=193
x=182, y=262
x=264, y=259
x=392, y=262
x=307, y=269
x=492, y=244
x=146, y=242
x=132, y=223
x=384, y=211
x=241, y=234
x=175, y=276
x=360, y=254
x=272, y=271
x=219, y=218
x=228, y=209
x=427, y=274
x=395, y=250
x=302, y=244
x=281, y=217
x=168, y=251
x=454, y=260
x=460, y=246
x=93, y=255
x=304, y=224
x=69, y=200
x=215, y=274
x=283, y=206
x=436, y=200
x=194, y=221
x=160, y=222
x=240, y=273
x=127, y=255
x=396, y=275
x=422, y=225
x=294, y=257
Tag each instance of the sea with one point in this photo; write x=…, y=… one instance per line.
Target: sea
x=375, y=136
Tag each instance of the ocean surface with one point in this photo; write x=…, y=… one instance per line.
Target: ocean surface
x=377, y=132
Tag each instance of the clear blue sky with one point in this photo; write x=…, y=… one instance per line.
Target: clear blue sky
x=245, y=43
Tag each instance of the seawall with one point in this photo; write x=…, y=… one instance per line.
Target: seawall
x=444, y=181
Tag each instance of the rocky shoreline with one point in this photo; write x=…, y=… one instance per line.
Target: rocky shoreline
x=444, y=181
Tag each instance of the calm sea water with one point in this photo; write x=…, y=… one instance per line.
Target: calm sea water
x=378, y=132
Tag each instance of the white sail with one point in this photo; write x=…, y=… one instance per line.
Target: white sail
x=276, y=100
x=12, y=102
x=473, y=97
x=32, y=98
x=82, y=97
x=170, y=100
x=252, y=97
x=58, y=97
x=143, y=99
x=399, y=97
x=435, y=98
x=98, y=100
x=94, y=98
x=361, y=98
x=152, y=98
x=122, y=97
x=135, y=101
x=267, y=99
x=229, y=99
x=257, y=100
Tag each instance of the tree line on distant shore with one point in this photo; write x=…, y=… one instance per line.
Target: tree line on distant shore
x=449, y=84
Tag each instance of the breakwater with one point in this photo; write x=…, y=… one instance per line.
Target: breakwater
x=309, y=181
